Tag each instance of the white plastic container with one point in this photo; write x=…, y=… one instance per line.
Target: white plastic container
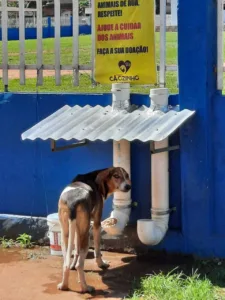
x=54, y=234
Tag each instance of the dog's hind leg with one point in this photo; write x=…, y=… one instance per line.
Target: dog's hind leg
x=66, y=266
x=83, y=226
x=64, y=224
x=76, y=252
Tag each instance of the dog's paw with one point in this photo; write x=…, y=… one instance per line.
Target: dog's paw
x=62, y=287
x=87, y=289
x=103, y=264
x=72, y=267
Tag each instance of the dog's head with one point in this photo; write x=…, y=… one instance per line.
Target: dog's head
x=113, y=180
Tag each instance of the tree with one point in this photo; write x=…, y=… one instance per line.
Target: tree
x=13, y=14
x=82, y=5
x=13, y=3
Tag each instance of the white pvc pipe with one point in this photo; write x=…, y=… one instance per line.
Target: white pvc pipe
x=121, y=158
x=152, y=231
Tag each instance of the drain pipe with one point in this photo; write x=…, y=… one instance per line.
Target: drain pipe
x=119, y=217
x=152, y=231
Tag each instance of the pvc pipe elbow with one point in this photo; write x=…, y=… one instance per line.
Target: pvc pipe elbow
x=117, y=227
x=151, y=232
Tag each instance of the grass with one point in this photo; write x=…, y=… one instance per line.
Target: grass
x=84, y=46
x=6, y=243
x=22, y=241
x=175, y=286
x=181, y=282
x=85, y=58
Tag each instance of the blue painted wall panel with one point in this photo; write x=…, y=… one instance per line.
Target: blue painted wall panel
x=48, y=32
x=218, y=144
x=197, y=57
x=32, y=176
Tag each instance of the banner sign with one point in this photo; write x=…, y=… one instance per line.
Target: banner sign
x=125, y=42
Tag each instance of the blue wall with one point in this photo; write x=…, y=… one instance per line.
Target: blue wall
x=32, y=177
x=48, y=32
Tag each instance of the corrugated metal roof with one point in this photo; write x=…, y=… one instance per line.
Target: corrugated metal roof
x=102, y=123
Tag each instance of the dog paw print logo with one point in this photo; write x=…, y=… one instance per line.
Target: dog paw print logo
x=124, y=65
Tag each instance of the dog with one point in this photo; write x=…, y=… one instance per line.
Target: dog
x=79, y=203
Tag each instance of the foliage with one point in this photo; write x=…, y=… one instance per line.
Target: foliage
x=175, y=286
x=24, y=240
x=6, y=243
x=82, y=5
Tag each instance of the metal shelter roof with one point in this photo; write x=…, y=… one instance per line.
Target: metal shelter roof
x=103, y=123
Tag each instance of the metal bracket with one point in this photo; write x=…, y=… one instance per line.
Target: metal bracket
x=54, y=148
x=166, y=149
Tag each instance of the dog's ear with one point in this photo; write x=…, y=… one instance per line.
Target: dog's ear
x=102, y=179
x=104, y=176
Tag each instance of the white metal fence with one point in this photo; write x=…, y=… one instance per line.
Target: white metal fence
x=57, y=66
x=31, y=22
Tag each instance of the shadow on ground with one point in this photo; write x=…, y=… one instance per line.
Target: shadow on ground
x=40, y=273
x=123, y=279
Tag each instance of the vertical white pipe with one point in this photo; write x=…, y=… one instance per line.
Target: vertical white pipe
x=121, y=158
x=152, y=231
x=160, y=178
x=121, y=201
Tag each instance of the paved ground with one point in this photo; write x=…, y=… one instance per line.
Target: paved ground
x=34, y=274
x=14, y=74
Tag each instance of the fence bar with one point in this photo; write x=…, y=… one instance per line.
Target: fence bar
x=75, y=42
x=5, y=44
x=162, y=72
x=57, y=42
x=93, y=36
x=22, y=41
x=220, y=44
x=39, y=44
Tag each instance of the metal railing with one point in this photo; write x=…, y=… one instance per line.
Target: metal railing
x=57, y=66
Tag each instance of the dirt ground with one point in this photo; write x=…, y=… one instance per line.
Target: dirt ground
x=34, y=275
x=15, y=74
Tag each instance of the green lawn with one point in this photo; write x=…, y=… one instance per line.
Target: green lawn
x=85, y=58
x=207, y=282
x=175, y=287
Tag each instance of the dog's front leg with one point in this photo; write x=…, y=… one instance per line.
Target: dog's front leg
x=97, y=239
